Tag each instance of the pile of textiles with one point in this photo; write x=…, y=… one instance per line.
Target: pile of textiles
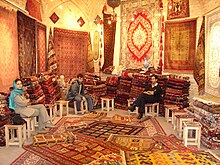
x=92, y=79
x=34, y=90
x=97, y=91
x=4, y=116
x=177, y=92
x=50, y=88
x=112, y=84
x=208, y=113
x=123, y=92
x=139, y=83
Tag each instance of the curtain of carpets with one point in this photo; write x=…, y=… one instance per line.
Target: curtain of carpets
x=212, y=58
x=180, y=40
x=71, y=50
x=8, y=47
x=41, y=47
x=26, y=45
x=199, y=65
x=140, y=37
x=177, y=9
x=90, y=62
x=34, y=9
x=109, y=40
x=52, y=60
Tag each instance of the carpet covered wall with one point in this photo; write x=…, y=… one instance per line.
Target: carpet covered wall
x=8, y=47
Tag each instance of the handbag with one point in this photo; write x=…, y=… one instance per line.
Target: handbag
x=17, y=119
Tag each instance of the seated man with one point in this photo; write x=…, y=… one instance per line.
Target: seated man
x=151, y=94
x=76, y=93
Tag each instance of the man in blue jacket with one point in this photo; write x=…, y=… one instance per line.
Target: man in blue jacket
x=77, y=93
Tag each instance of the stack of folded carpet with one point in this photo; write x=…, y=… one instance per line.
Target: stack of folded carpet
x=50, y=88
x=208, y=113
x=139, y=82
x=112, y=83
x=92, y=79
x=4, y=116
x=123, y=92
x=162, y=80
x=34, y=90
x=177, y=92
x=97, y=91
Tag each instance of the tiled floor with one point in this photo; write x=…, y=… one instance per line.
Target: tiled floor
x=7, y=155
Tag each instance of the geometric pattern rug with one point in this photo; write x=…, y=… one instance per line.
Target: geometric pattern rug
x=171, y=158
x=103, y=130
x=84, y=149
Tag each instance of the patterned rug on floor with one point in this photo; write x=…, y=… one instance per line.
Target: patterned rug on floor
x=84, y=150
x=133, y=142
x=171, y=158
x=152, y=127
x=103, y=130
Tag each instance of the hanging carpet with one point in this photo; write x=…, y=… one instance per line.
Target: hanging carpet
x=9, y=48
x=41, y=48
x=71, y=52
x=180, y=40
x=26, y=45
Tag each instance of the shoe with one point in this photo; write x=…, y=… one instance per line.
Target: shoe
x=42, y=131
x=50, y=125
x=132, y=108
x=140, y=116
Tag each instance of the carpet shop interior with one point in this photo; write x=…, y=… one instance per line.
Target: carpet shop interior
x=116, y=45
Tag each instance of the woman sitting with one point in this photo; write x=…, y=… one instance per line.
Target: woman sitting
x=22, y=106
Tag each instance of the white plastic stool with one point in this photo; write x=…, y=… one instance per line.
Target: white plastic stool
x=62, y=103
x=152, y=109
x=10, y=134
x=53, y=110
x=30, y=125
x=180, y=119
x=189, y=128
x=83, y=107
x=174, y=113
x=168, y=112
x=130, y=101
x=107, y=103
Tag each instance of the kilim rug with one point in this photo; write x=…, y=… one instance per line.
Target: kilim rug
x=171, y=158
x=152, y=127
x=94, y=116
x=132, y=142
x=111, y=159
x=171, y=142
x=83, y=150
x=35, y=157
x=102, y=130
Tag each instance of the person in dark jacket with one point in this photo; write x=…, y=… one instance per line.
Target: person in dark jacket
x=77, y=93
x=151, y=94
